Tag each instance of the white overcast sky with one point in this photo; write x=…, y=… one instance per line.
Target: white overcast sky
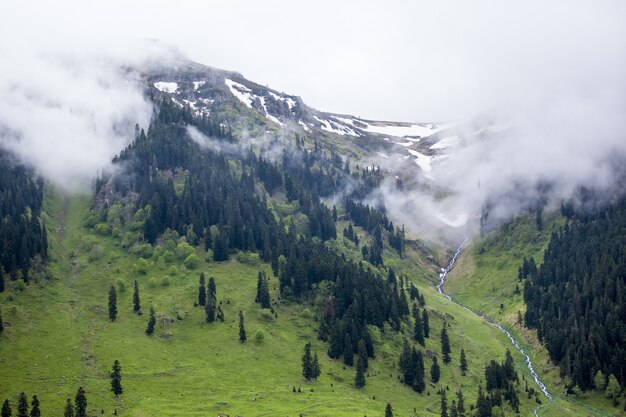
x=392, y=60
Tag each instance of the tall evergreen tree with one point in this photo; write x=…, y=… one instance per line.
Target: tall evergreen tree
x=359, y=378
x=425, y=324
x=307, y=362
x=136, y=302
x=362, y=352
x=388, y=410
x=242, y=330
x=418, y=365
x=6, y=409
x=418, y=330
x=69, y=409
x=112, y=305
x=453, y=411
x=445, y=344
x=151, y=322
x=202, y=291
x=116, y=378
x=348, y=353
x=209, y=310
x=435, y=372
x=444, y=404
x=22, y=405
x=463, y=363
x=1, y=323
x=262, y=291
x=212, y=289
x=34, y=410
x=80, y=403
x=316, y=366
x=460, y=404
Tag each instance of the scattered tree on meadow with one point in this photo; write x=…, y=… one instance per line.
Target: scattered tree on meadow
x=463, y=362
x=435, y=371
x=6, y=409
x=316, y=366
x=348, y=353
x=359, y=379
x=460, y=404
x=425, y=324
x=418, y=330
x=151, y=322
x=116, y=378
x=388, y=410
x=362, y=352
x=80, y=403
x=202, y=291
x=209, y=310
x=211, y=289
x=34, y=410
x=242, y=329
x=444, y=404
x=308, y=368
x=262, y=291
x=445, y=344
x=112, y=304
x=136, y=302
x=69, y=409
x=22, y=405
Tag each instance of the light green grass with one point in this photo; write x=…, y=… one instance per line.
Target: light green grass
x=60, y=338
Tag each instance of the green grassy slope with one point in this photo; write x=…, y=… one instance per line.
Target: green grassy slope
x=484, y=279
x=60, y=338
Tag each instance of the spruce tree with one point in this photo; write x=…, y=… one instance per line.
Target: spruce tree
x=444, y=404
x=136, y=302
x=418, y=365
x=34, y=410
x=359, y=379
x=209, y=310
x=202, y=291
x=80, y=403
x=116, y=378
x=151, y=322
x=362, y=352
x=388, y=410
x=453, y=411
x=425, y=324
x=463, y=363
x=1, y=280
x=307, y=362
x=22, y=405
x=6, y=409
x=316, y=366
x=1, y=323
x=445, y=344
x=435, y=372
x=418, y=330
x=262, y=291
x=112, y=304
x=348, y=353
x=211, y=289
x=460, y=405
x=242, y=330
x=69, y=409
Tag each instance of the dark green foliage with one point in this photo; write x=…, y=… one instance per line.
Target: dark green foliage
x=34, y=410
x=6, y=409
x=359, y=378
x=262, y=291
x=460, y=404
x=463, y=363
x=388, y=410
x=1, y=323
x=425, y=324
x=136, y=301
x=1, y=280
x=80, y=403
x=209, y=311
x=576, y=298
x=418, y=330
x=22, y=236
x=445, y=344
x=69, y=409
x=435, y=371
x=348, y=351
x=112, y=303
x=362, y=352
x=116, y=378
x=151, y=322
x=444, y=405
x=307, y=363
x=315, y=365
x=483, y=404
x=211, y=289
x=242, y=330
x=22, y=405
x=202, y=291
x=499, y=380
x=412, y=367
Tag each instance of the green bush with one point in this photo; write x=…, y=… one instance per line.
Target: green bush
x=103, y=229
x=259, y=336
x=165, y=281
x=120, y=284
x=173, y=270
x=267, y=315
x=192, y=261
x=152, y=282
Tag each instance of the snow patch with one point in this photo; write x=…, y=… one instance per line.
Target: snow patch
x=166, y=87
x=243, y=93
x=304, y=126
x=334, y=127
x=446, y=142
x=198, y=84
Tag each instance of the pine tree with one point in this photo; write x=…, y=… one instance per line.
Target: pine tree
x=80, y=403
x=445, y=344
x=116, y=378
x=136, y=302
x=34, y=411
x=418, y=330
x=22, y=405
x=242, y=330
x=262, y=291
x=418, y=365
x=151, y=322
x=359, y=379
x=460, y=405
x=6, y=409
x=435, y=372
x=425, y=324
x=388, y=410
x=307, y=362
x=362, y=352
x=1, y=323
x=453, y=411
x=463, y=363
x=69, y=409
x=202, y=291
x=348, y=353
x=112, y=304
